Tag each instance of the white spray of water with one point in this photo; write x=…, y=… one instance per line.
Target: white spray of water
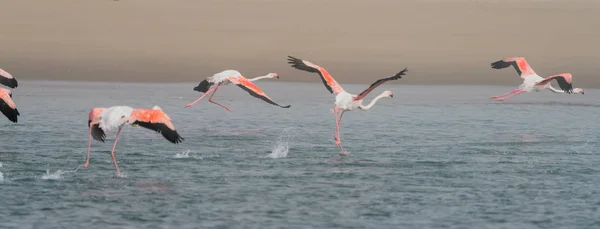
x=282, y=146
x=56, y=175
x=185, y=154
x=1, y=174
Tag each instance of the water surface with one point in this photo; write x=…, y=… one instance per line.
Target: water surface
x=431, y=157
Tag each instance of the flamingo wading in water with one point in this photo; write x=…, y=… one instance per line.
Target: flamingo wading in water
x=106, y=119
x=344, y=101
x=232, y=76
x=532, y=81
x=7, y=105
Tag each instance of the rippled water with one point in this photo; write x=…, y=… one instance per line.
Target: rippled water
x=431, y=157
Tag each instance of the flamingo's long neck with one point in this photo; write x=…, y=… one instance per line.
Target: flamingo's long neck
x=261, y=77
x=372, y=103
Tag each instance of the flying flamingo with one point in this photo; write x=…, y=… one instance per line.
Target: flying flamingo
x=344, y=101
x=233, y=76
x=532, y=81
x=7, y=105
x=106, y=119
x=7, y=79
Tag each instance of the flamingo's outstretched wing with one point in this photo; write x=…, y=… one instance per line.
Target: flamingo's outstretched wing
x=380, y=82
x=330, y=83
x=251, y=88
x=155, y=119
x=519, y=63
x=7, y=105
x=7, y=79
x=564, y=80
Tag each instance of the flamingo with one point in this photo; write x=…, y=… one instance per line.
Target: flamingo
x=344, y=101
x=7, y=105
x=532, y=81
x=7, y=79
x=232, y=76
x=106, y=119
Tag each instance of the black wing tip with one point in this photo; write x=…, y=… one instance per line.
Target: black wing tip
x=9, y=82
x=173, y=137
x=12, y=118
x=203, y=86
x=500, y=64
x=401, y=73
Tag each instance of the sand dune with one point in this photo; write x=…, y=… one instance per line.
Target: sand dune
x=441, y=42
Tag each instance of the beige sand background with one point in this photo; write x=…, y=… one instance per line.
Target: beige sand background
x=358, y=41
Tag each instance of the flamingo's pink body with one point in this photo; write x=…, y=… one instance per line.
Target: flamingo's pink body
x=232, y=76
x=344, y=101
x=532, y=81
x=106, y=119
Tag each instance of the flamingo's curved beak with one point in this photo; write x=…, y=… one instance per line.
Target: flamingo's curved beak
x=391, y=95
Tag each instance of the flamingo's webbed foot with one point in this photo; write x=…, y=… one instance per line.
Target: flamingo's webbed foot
x=86, y=164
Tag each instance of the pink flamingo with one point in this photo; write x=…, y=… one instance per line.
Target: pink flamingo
x=344, y=101
x=7, y=105
x=7, y=79
x=532, y=81
x=232, y=76
x=106, y=119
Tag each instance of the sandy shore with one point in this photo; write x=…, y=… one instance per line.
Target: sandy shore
x=440, y=41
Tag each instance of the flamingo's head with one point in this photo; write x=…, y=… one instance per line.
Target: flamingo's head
x=389, y=94
x=578, y=91
x=274, y=75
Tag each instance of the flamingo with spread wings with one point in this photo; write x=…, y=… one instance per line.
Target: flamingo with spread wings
x=344, y=101
x=106, y=119
x=532, y=81
x=232, y=76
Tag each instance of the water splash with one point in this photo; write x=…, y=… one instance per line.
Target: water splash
x=282, y=147
x=122, y=175
x=185, y=154
x=1, y=177
x=57, y=175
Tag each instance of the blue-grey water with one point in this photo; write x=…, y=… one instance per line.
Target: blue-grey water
x=431, y=157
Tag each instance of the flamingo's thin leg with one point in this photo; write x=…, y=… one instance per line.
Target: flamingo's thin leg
x=112, y=153
x=87, y=161
x=337, y=127
x=510, y=92
x=210, y=98
x=513, y=95
x=338, y=133
x=205, y=93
